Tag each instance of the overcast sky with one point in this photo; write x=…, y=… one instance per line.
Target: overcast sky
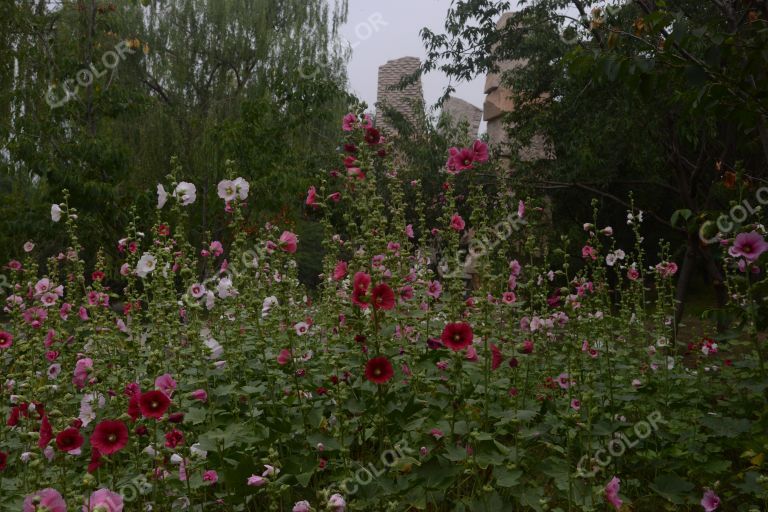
x=382, y=31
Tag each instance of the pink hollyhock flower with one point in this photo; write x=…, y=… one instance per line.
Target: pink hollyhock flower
x=42, y=286
x=256, y=480
x=406, y=292
x=288, y=242
x=749, y=246
x=666, y=269
x=564, y=381
x=633, y=274
x=508, y=297
x=515, y=268
x=612, y=493
x=301, y=506
x=335, y=197
x=434, y=289
x=460, y=160
x=81, y=372
x=104, y=500
x=360, y=284
x=6, y=340
x=35, y=317
x=457, y=223
x=45, y=499
x=409, y=231
x=340, y=271
x=575, y=404
x=348, y=123
x=210, y=476
x=336, y=503
x=83, y=314
x=589, y=252
x=14, y=265
x=471, y=354
x=311, y=197
x=710, y=501
x=521, y=209
x=480, y=151
x=200, y=395
x=284, y=357
x=216, y=248
x=166, y=384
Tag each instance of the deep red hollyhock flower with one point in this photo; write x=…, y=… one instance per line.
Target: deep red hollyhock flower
x=372, y=136
x=379, y=370
x=360, y=284
x=76, y=423
x=350, y=148
x=141, y=430
x=134, y=410
x=95, y=462
x=514, y=363
x=174, y=438
x=382, y=297
x=3, y=460
x=97, y=275
x=110, y=436
x=69, y=439
x=496, y=357
x=360, y=338
x=176, y=417
x=527, y=347
x=153, y=404
x=457, y=335
x=13, y=417
x=46, y=433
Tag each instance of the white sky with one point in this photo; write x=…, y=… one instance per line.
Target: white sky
x=381, y=31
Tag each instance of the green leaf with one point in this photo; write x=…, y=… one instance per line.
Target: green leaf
x=672, y=487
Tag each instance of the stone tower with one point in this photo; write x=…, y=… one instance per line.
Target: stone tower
x=403, y=101
x=459, y=111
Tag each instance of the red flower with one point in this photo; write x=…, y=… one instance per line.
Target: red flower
x=383, y=297
x=69, y=440
x=360, y=284
x=174, y=438
x=95, y=462
x=379, y=370
x=153, y=404
x=457, y=336
x=97, y=275
x=372, y=136
x=46, y=433
x=3, y=460
x=496, y=357
x=109, y=436
x=134, y=411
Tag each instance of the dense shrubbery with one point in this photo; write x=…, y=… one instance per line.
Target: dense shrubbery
x=213, y=381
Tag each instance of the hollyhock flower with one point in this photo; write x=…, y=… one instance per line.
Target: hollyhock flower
x=460, y=160
x=210, y=476
x=666, y=269
x=166, y=384
x=406, y=292
x=46, y=433
x=242, y=187
x=564, y=381
x=301, y=506
x=335, y=197
x=109, y=436
x=610, y=259
x=185, y=193
x=3, y=461
x=480, y=151
x=104, y=500
x=174, y=438
x=226, y=190
x=471, y=354
x=360, y=283
x=515, y=268
x=612, y=493
x=53, y=371
x=527, y=347
x=35, y=317
x=6, y=340
x=434, y=289
x=267, y=305
x=256, y=480
x=749, y=246
x=409, y=231
x=457, y=223
x=372, y=136
x=379, y=370
x=311, y=197
x=348, y=122
x=69, y=440
x=340, y=271
x=81, y=372
x=197, y=290
x=496, y=357
x=301, y=328
x=382, y=297
x=336, y=503
x=284, y=357
x=216, y=248
x=162, y=196
x=575, y=404
x=29, y=246
x=153, y=404
x=589, y=252
x=146, y=264
x=508, y=297
x=633, y=274
x=48, y=500
x=56, y=212
x=457, y=335
x=710, y=501
x=82, y=313
x=288, y=242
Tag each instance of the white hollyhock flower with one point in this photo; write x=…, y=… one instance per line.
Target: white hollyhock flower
x=55, y=213
x=197, y=290
x=620, y=255
x=186, y=193
x=243, y=187
x=301, y=328
x=197, y=451
x=227, y=190
x=225, y=288
x=267, y=305
x=610, y=260
x=146, y=264
x=162, y=196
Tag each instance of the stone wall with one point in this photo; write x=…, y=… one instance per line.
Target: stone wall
x=460, y=111
x=403, y=101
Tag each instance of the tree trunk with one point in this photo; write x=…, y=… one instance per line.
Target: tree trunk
x=686, y=272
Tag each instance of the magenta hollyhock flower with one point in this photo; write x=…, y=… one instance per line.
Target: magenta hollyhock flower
x=589, y=252
x=335, y=197
x=710, y=501
x=575, y=404
x=462, y=159
x=340, y=271
x=284, y=357
x=210, y=476
x=480, y=151
x=288, y=242
x=81, y=372
x=45, y=499
x=311, y=197
x=457, y=223
x=104, y=500
x=301, y=506
x=360, y=283
x=749, y=246
x=564, y=380
x=348, y=123
x=434, y=289
x=6, y=340
x=612, y=493
x=457, y=336
x=166, y=384
x=336, y=503
x=200, y=395
x=35, y=317
x=256, y=480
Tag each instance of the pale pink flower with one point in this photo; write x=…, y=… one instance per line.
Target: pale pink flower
x=301, y=328
x=434, y=289
x=29, y=247
x=301, y=506
x=104, y=500
x=82, y=368
x=749, y=246
x=575, y=404
x=35, y=317
x=256, y=481
x=336, y=503
x=564, y=381
x=45, y=499
x=508, y=297
x=409, y=231
x=166, y=384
